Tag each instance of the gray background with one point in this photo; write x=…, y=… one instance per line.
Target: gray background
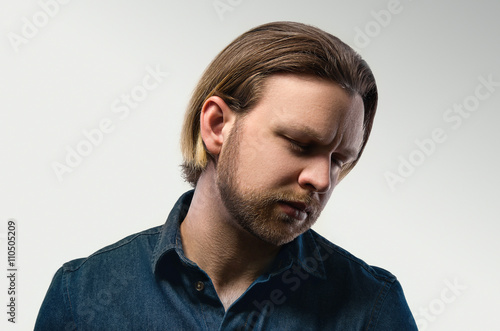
x=433, y=228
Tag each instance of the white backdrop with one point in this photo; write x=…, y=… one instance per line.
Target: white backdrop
x=421, y=202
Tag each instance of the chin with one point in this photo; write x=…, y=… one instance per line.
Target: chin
x=278, y=236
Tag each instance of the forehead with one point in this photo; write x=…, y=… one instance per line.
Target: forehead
x=310, y=106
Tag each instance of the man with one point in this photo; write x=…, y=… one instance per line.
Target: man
x=277, y=120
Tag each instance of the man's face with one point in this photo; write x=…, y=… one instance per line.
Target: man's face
x=281, y=161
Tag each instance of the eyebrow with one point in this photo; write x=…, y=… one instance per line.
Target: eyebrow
x=305, y=130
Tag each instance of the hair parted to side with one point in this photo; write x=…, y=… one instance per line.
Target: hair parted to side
x=237, y=75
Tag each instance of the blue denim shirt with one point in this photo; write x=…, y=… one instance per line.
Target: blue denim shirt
x=144, y=282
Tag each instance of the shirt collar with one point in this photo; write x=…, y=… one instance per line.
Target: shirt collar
x=303, y=251
x=169, y=241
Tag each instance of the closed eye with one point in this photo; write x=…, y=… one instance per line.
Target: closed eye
x=298, y=147
x=305, y=148
x=337, y=162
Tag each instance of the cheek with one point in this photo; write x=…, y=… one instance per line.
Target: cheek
x=264, y=165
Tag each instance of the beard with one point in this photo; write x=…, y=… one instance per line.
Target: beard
x=257, y=211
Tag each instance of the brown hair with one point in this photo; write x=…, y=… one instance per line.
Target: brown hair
x=237, y=75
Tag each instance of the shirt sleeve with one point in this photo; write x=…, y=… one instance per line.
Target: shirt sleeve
x=55, y=312
x=394, y=313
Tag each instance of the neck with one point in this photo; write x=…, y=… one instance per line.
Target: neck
x=232, y=257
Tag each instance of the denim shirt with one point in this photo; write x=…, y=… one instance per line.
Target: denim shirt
x=145, y=282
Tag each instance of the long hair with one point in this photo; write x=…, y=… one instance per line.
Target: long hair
x=238, y=72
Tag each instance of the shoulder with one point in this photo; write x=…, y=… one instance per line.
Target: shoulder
x=141, y=243
x=363, y=285
x=336, y=258
x=84, y=289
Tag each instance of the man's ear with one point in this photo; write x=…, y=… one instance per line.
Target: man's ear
x=216, y=121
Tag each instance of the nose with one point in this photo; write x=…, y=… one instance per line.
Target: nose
x=317, y=175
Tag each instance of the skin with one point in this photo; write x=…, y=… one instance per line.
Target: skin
x=274, y=171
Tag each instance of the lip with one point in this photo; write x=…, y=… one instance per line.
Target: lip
x=297, y=205
x=295, y=209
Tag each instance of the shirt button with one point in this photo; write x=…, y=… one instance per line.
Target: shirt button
x=199, y=286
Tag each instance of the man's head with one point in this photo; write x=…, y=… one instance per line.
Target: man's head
x=237, y=75
x=278, y=118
